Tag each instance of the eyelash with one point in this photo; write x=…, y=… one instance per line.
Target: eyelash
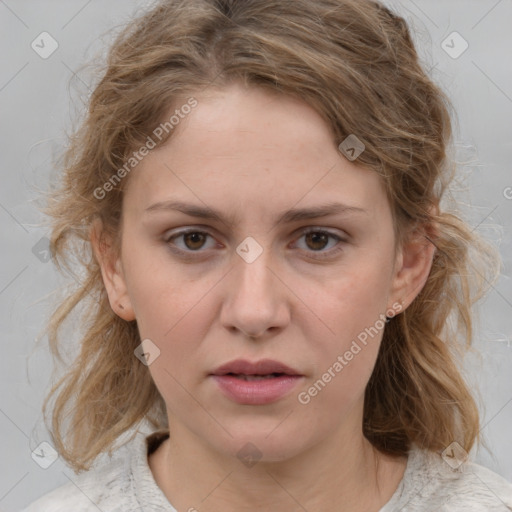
x=318, y=254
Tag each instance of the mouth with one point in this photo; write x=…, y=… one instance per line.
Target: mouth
x=264, y=368
x=263, y=382
x=243, y=376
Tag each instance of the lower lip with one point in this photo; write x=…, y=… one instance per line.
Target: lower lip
x=256, y=392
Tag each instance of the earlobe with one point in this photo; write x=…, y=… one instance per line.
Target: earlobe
x=413, y=267
x=111, y=272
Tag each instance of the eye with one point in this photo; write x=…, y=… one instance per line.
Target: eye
x=316, y=240
x=193, y=240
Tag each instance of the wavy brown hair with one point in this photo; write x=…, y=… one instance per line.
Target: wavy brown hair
x=355, y=63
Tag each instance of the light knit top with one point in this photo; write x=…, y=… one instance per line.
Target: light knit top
x=429, y=484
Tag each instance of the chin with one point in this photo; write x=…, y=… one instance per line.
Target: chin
x=252, y=443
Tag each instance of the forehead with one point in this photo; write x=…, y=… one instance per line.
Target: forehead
x=247, y=146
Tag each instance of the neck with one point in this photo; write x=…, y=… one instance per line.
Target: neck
x=343, y=473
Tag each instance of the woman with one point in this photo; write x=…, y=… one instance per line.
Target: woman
x=272, y=281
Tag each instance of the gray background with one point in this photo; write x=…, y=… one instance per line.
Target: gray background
x=39, y=98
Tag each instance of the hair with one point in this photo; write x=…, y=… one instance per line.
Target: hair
x=355, y=63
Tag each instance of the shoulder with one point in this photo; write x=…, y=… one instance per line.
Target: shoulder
x=433, y=483
x=474, y=488
x=116, y=485
x=122, y=484
x=107, y=487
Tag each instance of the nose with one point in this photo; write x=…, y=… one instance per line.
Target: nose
x=255, y=298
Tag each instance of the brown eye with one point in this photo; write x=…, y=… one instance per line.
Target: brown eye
x=317, y=240
x=189, y=241
x=320, y=243
x=194, y=240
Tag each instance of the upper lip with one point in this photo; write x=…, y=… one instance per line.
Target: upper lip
x=261, y=367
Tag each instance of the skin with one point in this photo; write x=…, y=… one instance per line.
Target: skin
x=253, y=155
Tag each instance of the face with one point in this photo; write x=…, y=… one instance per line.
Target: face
x=263, y=280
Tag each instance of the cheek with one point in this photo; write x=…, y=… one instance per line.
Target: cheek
x=355, y=300
x=173, y=309
x=179, y=325
x=353, y=306
x=160, y=294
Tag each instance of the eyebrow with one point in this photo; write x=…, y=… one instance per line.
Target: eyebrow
x=294, y=215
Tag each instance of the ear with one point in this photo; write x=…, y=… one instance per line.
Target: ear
x=111, y=272
x=412, y=266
